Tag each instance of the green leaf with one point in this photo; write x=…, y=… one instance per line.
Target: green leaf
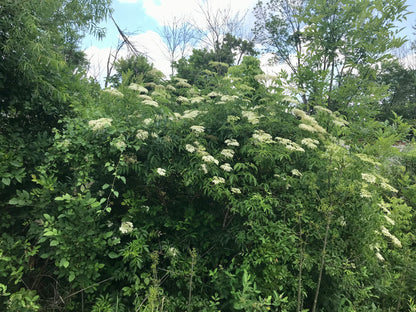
x=115, y=193
x=105, y=186
x=113, y=255
x=54, y=243
x=123, y=179
x=71, y=276
x=64, y=263
x=6, y=181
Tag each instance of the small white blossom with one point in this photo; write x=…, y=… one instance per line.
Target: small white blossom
x=210, y=159
x=311, y=143
x=136, y=87
x=190, y=148
x=126, y=227
x=198, y=129
x=296, y=172
x=151, y=103
x=389, y=220
x=260, y=136
x=388, y=187
x=100, y=124
x=393, y=238
x=148, y=121
x=368, y=177
x=226, y=167
x=365, y=193
x=227, y=153
x=182, y=99
x=114, y=92
x=142, y=134
x=204, y=168
x=190, y=114
x=235, y=190
x=161, y=171
x=154, y=135
x=120, y=145
x=252, y=117
x=379, y=256
x=231, y=142
x=218, y=180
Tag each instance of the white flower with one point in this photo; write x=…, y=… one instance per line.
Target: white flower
x=161, y=172
x=198, y=129
x=142, y=134
x=296, y=172
x=231, y=142
x=148, y=121
x=217, y=180
x=393, y=238
x=368, y=177
x=136, y=87
x=214, y=94
x=307, y=128
x=144, y=97
x=388, y=187
x=191, y=114
x=151, y=103
x=226, y=167
x=379, y=256
x=182, y=99
x=227, y=153
x=100, y=124
x=114, y=92
x=252, y=117
x=190, y=148
x=120, y=145
x=197, y=99
x=170, y=88
x=204, y=168
x=389, y=220
x=290, y=145
x=210, y=159
x=311, y=143
x=323, y=109
x=260, y=136
x=154, y=135
x=235, y=190
x=365, y=193
x=126, y=227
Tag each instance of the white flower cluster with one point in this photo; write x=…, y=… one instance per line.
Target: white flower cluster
x=308, y=122
x=142, y=134
x=182, y=99
x=235, y=190
x=190, y=114
x=210, y=159
x=126, y=227
x=368, y=177
x=296, y=172
x=182, y=83
x=100, y=124
x=226, y=98
x=198, y=129
x=144, y=97
x=252, y=117
x=368, y=159
x=227, y=153
x=231, y=142
x=170, y=88
x=197, y=99
x=260, y=136
x=151, y=103
x=190, y=148
x=388, y=187
x=120, y=144
x=161, y=172
x=218, y=180
x=136, y=87
x=204, y=168
x=226, y=167
x=214, y=94
x=393, y=238
x=311, y=143
x=290, y=145
x=114, y=92
x=365, y=193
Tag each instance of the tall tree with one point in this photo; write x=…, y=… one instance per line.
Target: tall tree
x=330, y=45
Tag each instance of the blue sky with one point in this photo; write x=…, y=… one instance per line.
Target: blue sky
x=142, y=18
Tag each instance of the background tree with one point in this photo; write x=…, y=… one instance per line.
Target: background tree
x=328, y=45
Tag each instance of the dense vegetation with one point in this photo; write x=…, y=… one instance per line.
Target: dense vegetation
x=219, y=189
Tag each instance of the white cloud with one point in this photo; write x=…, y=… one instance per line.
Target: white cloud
x=127, y=1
